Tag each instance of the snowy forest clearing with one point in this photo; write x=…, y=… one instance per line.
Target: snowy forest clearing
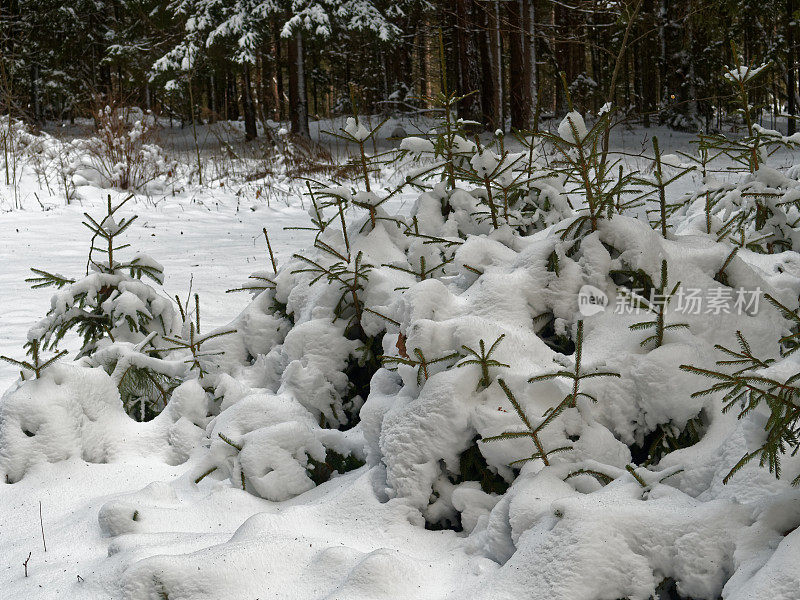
x=475, y=375
x=414, y=299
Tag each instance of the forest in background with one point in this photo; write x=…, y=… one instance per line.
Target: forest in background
x=659, y=61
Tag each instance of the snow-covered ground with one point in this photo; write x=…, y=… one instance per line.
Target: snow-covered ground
x=123, y=517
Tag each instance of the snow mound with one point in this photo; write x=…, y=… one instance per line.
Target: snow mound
x=69, y=412
x=76, y=412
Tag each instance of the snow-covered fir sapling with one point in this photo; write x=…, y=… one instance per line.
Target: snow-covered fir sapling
x=350, y=276
x=741, y=77
x=751, y=150
x=449, y=136
x=447, y=152
x=501, y=175
x=585, y=167
x=355, y=132
x=121, y=319
x=482, y=358
x=445, y=144
x=111, y=300
x=750, y=386
x=493, y=185
x=761, y=211
x=656, y=300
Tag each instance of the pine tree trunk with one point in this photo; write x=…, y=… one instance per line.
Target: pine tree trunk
x=250, y=131
x=421, y=46
x=298, y=101
x=791, y=80
x=497, y=43
x=35, y=104
x=212, y=98
x=277, y=74
x=649, y=56
x=530, y=37
x=517, y=85
x=662, y=51
x=487, y=79
x=468, y=62
x=691, y=106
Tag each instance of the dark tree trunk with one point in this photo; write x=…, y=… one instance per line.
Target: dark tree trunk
x=35, y=102
x=250, y=131
x=298, y=102
x=468, y=62
x=791, y=79
x=232, y=112
x=649, y=54
x=277, y=74
x=529, y=72
x=488, y=93
x=212, y=99
x=496, y=41
x=517, y=83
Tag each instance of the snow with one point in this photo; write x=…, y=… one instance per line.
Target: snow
x=224, y=494
x=744, y=73
x=356, y=130
x=573, y=128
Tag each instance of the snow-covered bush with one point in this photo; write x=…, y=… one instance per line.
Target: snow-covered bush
x=120, y=156
x=470, y=284
x=17, y=137
x=448, y=350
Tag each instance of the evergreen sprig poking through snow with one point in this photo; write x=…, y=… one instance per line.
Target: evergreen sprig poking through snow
x=482, y=358
x=35, y=365
x=747, y=389
x=576, y=376
x=531, y=432
x=658, y=303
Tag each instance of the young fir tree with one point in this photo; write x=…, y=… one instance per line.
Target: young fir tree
x=121, y=319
